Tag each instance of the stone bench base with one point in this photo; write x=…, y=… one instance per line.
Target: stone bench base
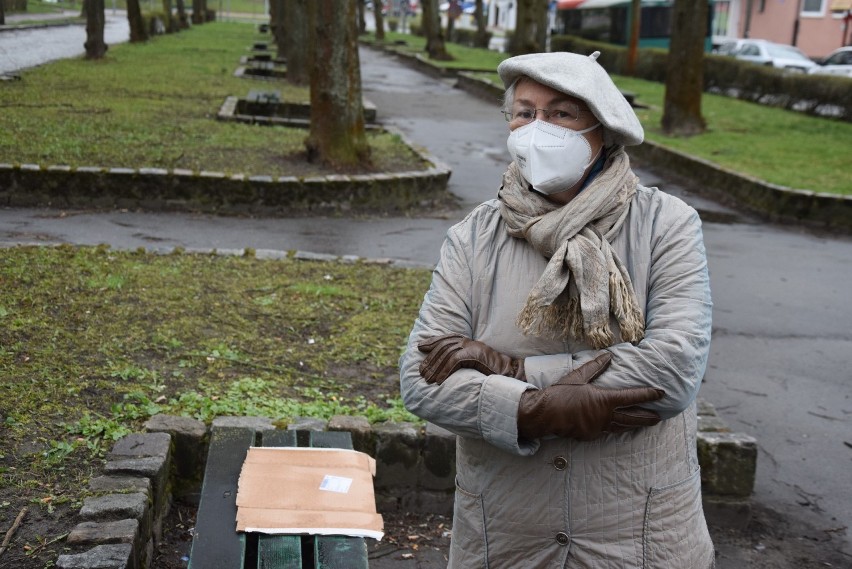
x=415, y=472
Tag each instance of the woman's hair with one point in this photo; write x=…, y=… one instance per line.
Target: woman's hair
x=509, y=98
x=509, y=95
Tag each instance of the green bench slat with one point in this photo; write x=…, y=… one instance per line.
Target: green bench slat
x=330, y=439
x=335, y=551
x=216, y=544
x=339, y=552
x=279, y=551
x=278, y=438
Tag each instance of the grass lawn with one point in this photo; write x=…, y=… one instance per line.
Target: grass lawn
x=94, y=341
x=779, y=146
x=154, y=105
x=463, y=56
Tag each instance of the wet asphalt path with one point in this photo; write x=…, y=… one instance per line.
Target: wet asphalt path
x=20, y=49
x=779, y=366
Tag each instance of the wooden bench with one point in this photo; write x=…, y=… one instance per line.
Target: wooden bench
x=216, y=543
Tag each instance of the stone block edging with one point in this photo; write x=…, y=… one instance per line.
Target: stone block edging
x=300, y=118
x=159, y=189
x=122, y=522
x=777, y=203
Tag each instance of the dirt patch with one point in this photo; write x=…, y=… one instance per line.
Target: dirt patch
x=772, y=541
x=421, y=541
x=413, y=538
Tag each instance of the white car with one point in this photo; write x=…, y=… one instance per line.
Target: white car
x=838, y=63
x=777, y=55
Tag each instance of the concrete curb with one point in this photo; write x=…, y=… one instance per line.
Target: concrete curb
x=121, y=524
x=263, y=254
x=36, y=185
x=773, y=202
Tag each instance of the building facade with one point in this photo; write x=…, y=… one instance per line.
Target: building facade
x=817, y=27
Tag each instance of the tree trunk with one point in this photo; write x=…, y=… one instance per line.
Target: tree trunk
x=170, y=23
x=2, y=14
x=138, y=32
x=380, y=21
x=481, y=39
x=337, y=135
x=198, y=12
x=95, y=46
x=530, y=34
x=277, y=28
x=435, y=46
x=685, y=69
x=540, y=23
x=183, y=21
x=633, y=46
x=362, y=17
x=297, y=37
x=453, y=12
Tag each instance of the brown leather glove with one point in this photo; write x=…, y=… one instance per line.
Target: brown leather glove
x=451, y=352
x=575, y=408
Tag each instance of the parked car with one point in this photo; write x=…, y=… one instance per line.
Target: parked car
x=839, y=62
x=777, y=55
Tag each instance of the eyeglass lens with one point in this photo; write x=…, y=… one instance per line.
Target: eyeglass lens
x=562, y=113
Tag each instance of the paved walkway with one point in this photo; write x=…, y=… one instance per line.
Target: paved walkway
x=26, y=47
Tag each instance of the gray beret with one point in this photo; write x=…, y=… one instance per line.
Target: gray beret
x=582, y=77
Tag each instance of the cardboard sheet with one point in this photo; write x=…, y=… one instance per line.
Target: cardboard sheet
x=293, y=490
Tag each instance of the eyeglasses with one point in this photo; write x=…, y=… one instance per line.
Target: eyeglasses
x=564, y=114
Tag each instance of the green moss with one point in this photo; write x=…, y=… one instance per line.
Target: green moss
x=94, y=341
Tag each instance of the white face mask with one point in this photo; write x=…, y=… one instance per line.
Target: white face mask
x=551, y=158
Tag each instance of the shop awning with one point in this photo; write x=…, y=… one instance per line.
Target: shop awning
x=568, y=4
x=584, y=4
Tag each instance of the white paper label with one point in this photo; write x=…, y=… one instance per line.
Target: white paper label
x=336, y=484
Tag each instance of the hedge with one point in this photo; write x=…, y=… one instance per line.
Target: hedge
x=812, y=94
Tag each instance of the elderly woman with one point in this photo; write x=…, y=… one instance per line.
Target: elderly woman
x=564, y=338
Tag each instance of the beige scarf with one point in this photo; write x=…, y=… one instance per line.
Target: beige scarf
x=584, y=281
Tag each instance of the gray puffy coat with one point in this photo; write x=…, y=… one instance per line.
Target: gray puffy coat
x=631, y=500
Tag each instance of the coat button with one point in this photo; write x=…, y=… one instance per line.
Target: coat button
x=562, y=538
x=559, y=463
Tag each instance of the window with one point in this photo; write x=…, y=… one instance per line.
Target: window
x=813, y=7
x=749, y=49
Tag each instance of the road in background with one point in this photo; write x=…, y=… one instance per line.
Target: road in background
x=24, y=48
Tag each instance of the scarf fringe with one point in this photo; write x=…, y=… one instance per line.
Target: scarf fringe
x=548, y=322
x=563, y=322
x=630, y=320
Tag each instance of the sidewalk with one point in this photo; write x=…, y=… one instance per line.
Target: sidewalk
x=12, y=20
